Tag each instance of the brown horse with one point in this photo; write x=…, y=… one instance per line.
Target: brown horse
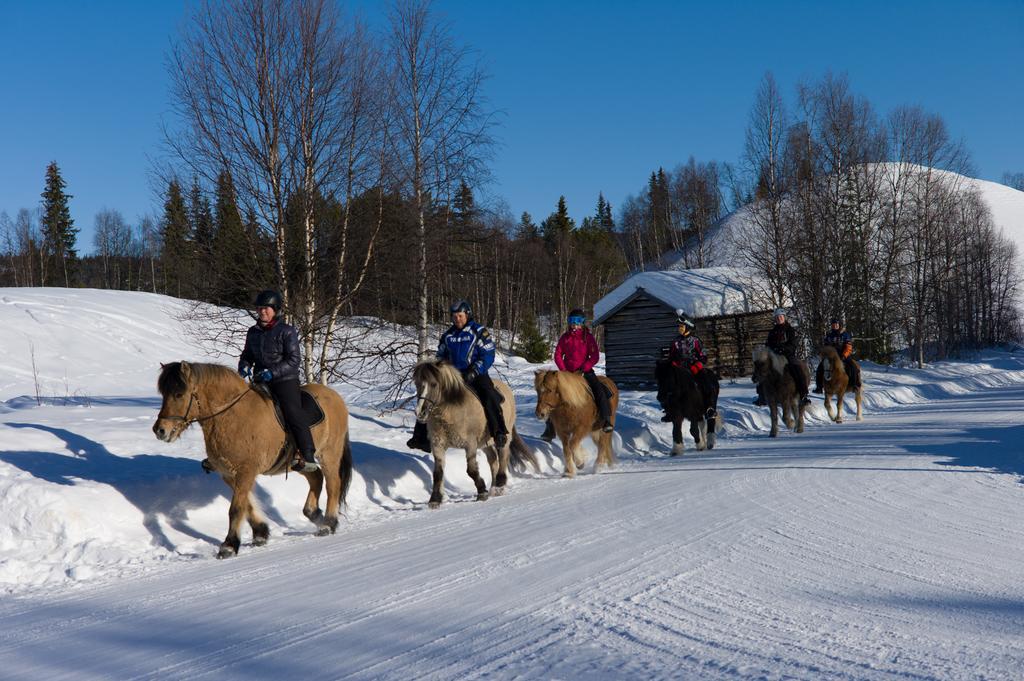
x=244, y=439
x=565, y=398
x=455, y=418
x=837, y=383
x=779, y=389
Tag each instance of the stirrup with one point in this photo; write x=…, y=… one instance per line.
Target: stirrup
x=607, y=427
x=207, y=466
x=804, y=401
x=710, y=413
x=818, y=390
x=304, y=466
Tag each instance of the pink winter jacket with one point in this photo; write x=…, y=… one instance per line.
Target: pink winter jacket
x=577, y=351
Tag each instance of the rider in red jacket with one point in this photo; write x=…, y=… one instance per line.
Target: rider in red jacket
x=577, y=351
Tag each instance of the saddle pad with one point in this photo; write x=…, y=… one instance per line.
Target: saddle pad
x=310, y=407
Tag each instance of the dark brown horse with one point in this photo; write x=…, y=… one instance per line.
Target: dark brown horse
x=244, y=439
x=779, y=388
x=837, y=383
x=682, y=399
x=564, y=397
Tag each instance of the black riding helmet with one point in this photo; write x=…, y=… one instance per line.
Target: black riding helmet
x=268, y=298
x=461, y=306
x=684, y=320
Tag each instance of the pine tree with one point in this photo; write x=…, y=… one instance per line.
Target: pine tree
x=464, y=209
x=59, y=231
x=176, y=252
x=527, y=229
x=531, y=344
x=230, y=264
x=201, y=229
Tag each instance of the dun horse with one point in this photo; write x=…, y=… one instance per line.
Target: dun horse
x=681, y=398
x=779, y=389
x=243, y=440
x=564, y=397
x=455, y=418
x=837, y=383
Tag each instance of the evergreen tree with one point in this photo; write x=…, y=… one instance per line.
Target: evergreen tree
x=464, y=215
x=531, y=344
x=176, y=252
x=558, y=225
x=230, y=264
x=527, y=229
x=59, y=231
x=201, y=225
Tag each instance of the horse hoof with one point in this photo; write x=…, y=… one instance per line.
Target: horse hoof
x=315, y=517
x=497, y=491
x=567, y=474
x=226, y=552
x=323, y=531
x=434, y=504
x=483, y=496
x=259, y=541
x=774, y=433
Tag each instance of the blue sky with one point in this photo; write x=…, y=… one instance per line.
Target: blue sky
x=594, y=95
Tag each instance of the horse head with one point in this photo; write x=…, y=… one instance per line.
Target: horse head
x=437, y=382
x=545, y=382
x=765, y=363
x=176, y=386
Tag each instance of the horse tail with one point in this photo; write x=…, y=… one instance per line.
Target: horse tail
x=521, y=454
x=345, y=468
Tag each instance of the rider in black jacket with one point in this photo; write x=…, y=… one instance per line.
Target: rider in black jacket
x=272, y=356
x=782, y=341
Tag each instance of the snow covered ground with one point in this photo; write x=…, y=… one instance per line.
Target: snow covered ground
x=889, y=548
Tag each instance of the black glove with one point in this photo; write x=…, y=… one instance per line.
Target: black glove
x=470, y=374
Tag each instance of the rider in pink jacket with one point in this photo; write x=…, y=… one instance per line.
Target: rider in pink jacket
x=577, y=351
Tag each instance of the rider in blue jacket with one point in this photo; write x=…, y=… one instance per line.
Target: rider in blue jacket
x=468, y=347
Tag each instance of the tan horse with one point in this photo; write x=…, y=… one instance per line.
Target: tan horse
x=455, y=418
x=779, y=389
x=837, y=383
x=565, y=398
x=244, y=439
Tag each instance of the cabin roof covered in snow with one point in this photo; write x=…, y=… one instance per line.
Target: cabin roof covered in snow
x=708, y=292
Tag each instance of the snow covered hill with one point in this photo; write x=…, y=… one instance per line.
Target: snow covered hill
x=881, y=549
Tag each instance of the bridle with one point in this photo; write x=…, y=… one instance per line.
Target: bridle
x=194, y=399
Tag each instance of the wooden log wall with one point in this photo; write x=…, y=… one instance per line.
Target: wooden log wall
x=636, y=335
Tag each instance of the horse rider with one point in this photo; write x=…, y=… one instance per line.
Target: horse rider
x=271, y=357
x=468, y=346
x=842, y=340
x=782, y=341
x=687, y=352
x=577, y=351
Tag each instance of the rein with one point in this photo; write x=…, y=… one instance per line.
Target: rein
x=199, y=419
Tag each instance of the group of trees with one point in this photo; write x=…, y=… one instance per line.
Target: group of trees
x=341, y=166
x=871, y=219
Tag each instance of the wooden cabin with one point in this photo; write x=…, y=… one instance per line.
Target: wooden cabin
x=639, y=321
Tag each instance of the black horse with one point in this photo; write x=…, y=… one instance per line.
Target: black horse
x=681, y=397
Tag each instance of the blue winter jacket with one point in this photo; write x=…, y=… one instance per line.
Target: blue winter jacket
x=472, y=346
x=275, y=348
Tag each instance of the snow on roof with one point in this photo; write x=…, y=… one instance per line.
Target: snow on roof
x=709, y=292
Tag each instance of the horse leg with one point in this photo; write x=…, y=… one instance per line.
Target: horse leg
x=677, y=437
x=828, y=405
x=260, y=528
x=799, y=409
x=329, y=523
x=435, y=493
x=839, y=406
x=711, y=425
x=569, y=445
x=237, y=512
x=857, y=396
x=773, y=409
x=311, y=509
x=702, y=431
x=473, y=469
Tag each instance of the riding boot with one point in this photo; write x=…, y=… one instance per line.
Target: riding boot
x=759, y=400
x=819, y=378
x=307, y=464
x=491, y=400
x=707, y=393
x=549, y=432
x=419, y=439
x=853, y=371
x=799, y=380
x=601, y=398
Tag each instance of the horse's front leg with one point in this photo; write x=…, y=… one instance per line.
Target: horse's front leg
x=238, y=511
x=799, y=409
x=702, y=434
x=435, y=493
x=499, y=478
x=839, y=406
x=473, y=469
x=773, y=409
x=677, y=437
x=570, y=443
x=828, y=405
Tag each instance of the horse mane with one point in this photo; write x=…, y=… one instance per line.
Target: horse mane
x=763, y=353
x=173, y=378
x=573, y=388
x=448, y=379
x=831, y=354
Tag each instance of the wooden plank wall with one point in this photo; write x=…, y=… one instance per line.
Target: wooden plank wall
x=636, y=334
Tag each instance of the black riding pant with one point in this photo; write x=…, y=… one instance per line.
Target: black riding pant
x=287, y=394
x=491, y=400
x=600, y=393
